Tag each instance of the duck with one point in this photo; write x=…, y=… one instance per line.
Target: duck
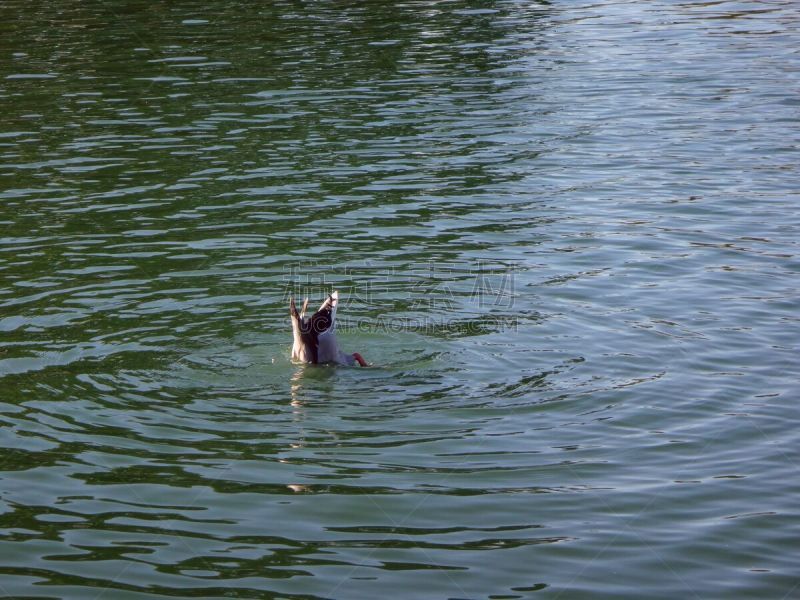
x=314, y=337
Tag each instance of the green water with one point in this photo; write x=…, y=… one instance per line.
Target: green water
x=565, y=234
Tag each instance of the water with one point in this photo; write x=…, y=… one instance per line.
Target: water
x=567, y=237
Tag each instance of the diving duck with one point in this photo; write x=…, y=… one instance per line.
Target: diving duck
x=315, y=336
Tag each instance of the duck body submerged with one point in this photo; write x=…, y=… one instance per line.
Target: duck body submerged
x=314, y=337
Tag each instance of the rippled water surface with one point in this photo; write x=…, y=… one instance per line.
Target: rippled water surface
x=566, y=235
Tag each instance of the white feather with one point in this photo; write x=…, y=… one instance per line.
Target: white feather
x=329, y=350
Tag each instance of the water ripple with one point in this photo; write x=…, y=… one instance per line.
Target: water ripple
x=565, y=236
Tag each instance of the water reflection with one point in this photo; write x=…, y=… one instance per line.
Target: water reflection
x=296, y=390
